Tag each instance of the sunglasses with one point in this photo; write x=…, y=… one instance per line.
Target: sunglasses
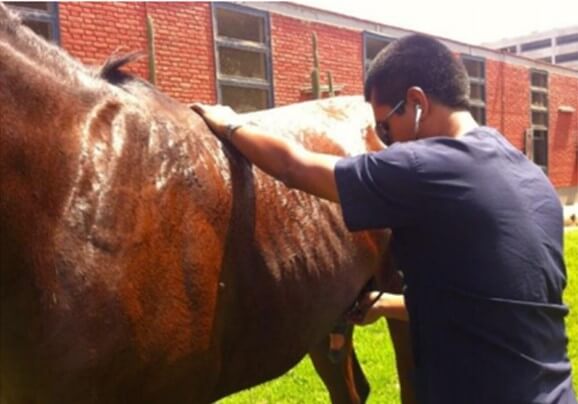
x=382, y=126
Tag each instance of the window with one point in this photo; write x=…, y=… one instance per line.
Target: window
x=567, y=57
x=537, y=149
x=542, y=43
x=564, y=39
x=41, y=17
x=476, y=69
x=372, y=45
x=242, y=57
x=539, y=80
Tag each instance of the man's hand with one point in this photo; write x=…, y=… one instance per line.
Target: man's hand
x=281, y=158
x=218, y=117
x=368, y=310
x=388, y=305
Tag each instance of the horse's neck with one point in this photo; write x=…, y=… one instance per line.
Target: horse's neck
x=38, y=118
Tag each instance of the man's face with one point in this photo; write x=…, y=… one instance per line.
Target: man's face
x=391, y=126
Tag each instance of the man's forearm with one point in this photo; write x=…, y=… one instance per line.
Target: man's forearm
x=271, y=154
x=393, y=307
x=288, y=161
x=278, y=157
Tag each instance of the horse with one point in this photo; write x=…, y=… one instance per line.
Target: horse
x=143, y=260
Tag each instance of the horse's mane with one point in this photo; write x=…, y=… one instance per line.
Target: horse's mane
x=110, y=70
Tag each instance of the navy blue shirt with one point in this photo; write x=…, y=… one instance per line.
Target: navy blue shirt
x=477, y=232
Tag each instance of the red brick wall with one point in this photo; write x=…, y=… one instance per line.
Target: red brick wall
x=93, y=31
x=186, y=71
x=184, y=50
x=508, y=100
x=563, y=131
x=183, y=41
x=340, y=51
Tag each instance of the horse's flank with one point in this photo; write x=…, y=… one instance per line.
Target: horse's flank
x=142, y=259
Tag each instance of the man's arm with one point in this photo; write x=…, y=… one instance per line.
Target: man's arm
x=390, y=306
x=287, y=161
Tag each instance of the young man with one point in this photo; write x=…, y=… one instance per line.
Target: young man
x=477, y=229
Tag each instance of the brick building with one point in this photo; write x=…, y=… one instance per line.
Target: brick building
x=254, y=55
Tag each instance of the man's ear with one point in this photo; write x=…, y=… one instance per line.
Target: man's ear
x=416, y=96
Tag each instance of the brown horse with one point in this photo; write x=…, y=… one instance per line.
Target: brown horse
x=143, y=261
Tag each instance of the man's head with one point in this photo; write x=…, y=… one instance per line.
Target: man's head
x=422, y=78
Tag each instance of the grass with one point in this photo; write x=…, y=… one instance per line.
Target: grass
x=374, y=349
x=571, y=298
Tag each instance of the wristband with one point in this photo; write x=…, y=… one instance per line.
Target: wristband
x=230, y=131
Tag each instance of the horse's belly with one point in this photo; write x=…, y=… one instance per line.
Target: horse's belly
x=289, y=282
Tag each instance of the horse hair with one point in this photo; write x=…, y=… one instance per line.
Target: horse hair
x=110, y=70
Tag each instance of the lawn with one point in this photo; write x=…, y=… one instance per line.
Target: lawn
x=301, y=384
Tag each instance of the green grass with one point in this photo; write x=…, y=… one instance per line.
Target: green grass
x=375, y=353
x=571, y=299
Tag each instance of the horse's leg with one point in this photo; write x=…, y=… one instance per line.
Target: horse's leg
x=361, y=383
x=400, y=337
x=345, y=380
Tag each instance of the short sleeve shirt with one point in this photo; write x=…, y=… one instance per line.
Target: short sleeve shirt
x=477, y=232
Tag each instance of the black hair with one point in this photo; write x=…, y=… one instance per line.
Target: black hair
x=422, y=61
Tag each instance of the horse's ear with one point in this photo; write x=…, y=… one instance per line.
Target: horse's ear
x=110, y=72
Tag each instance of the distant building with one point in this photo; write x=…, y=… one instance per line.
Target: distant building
x=557, y=46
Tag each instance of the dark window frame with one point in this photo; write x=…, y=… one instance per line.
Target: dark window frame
x=534, y=45
x=235, y=43
x=477, y=103
x=543, y=130
x=370, y=35
x=566, y=39
x=50, y=16
x=566, y=57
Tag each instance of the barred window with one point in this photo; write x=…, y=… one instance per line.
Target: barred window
x=242, y=57
x=537, y=149
x=41, y=17
x=476, y=69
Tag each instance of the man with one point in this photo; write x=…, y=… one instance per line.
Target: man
x=477, y=229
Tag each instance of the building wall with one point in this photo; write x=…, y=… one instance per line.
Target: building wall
x=186, y=68
x=508, y=100
x=183, y=41
x=516, y=45
x=340, y=52
x=93, y=31
x=563, y=131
